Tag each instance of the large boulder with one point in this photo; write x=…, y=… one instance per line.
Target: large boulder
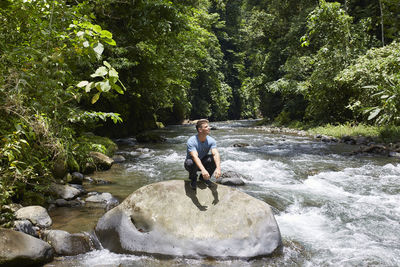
x=36, y=214
x=19, y=249
x=172, y=219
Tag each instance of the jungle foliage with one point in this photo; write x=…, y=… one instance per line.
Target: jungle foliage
x=119, y=67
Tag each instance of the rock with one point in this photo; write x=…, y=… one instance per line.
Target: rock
x=69, y=203
x=102, y=162
x=26, y=227
x=102, y=182
x=240, y=145
x=327, y=139
x=36, y=214
x=126, y=141
x=149, y=138
x=65, y=191
x=231, y=178
x=362, y=140
x=169, y=218
x=90, y=167
x=96, y=181
x=20, y=249
x=60, y=168
x=67, y=244
x=376, y=149
x=348, y=140
x=118, y=158
x=230, y=181
x=81, y=189
x=394, y=154
x=76, y=178
x=103, y=200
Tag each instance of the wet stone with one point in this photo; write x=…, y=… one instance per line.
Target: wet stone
x=26, y=227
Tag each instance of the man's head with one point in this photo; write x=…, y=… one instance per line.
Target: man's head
x=201, y=124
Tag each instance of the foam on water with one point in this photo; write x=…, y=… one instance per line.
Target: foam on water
x=146, y=169
x=107, y=258
x=173, y=157
x=261, y=170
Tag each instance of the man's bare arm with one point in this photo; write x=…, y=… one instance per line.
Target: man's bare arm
x=217, y=161
x=197, y=161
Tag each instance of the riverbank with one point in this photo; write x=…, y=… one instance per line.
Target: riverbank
x=382, y=140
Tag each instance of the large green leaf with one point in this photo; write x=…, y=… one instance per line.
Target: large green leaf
x=99, y=48
x=100, y=72
x=374, y=113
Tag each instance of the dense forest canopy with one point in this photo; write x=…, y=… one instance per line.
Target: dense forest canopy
x=119, y=67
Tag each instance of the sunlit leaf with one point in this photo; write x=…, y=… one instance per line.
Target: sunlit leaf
x=100, y=72
x=97, y=28
x=118, y=89
x=107, y=64
x=99, y=48
x=374, y=113
x=110, y=41
x=113, y=73
x=106, y=34
x=89, y=87
x=82, y=84
x=105, y=86
x=95, y=98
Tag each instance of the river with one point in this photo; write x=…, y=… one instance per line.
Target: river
x=333, y=209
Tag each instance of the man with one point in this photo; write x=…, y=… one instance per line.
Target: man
x=197, y=157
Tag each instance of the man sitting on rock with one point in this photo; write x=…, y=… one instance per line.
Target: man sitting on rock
x=197, y=157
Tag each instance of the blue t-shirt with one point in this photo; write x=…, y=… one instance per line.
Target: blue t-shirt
x=202, y=148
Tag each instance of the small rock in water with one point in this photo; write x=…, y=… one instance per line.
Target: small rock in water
x=103, y=200
x=118, y=158
x=231, y=178
x=67, y=244
x=65, y=191
x=240, y=145
x=394, y=154
x=76, y=178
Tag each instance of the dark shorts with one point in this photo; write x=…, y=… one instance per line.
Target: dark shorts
x=208, y=163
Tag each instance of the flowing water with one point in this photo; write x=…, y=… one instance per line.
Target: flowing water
x=333, y=209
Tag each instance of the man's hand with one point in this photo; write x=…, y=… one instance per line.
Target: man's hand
x=217, y=173
x=205, y=174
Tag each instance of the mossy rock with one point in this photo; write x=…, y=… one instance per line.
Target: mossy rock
x=149, y=138
x=60, y=168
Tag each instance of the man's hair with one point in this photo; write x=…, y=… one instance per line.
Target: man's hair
x=200, y=123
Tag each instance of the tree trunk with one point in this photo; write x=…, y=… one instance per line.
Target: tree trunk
x=382, y=29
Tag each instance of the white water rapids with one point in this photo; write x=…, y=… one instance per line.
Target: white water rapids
x=333, y=209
